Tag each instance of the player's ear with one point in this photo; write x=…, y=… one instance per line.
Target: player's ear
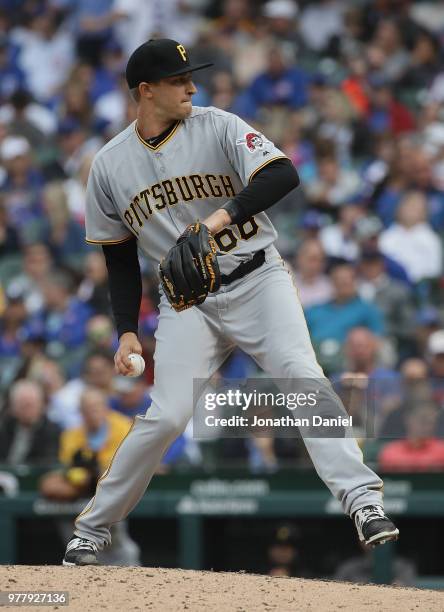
x=145, y=90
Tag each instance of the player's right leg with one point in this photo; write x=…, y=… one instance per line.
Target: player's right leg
x=188, y=347
x=270, y=326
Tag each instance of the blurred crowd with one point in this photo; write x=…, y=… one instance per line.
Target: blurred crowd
x=351, y=91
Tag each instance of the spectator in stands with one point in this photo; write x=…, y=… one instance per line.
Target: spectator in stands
x=9, y=239
x=75, y=104
x=320, y=22
x=390, y=188
x=12, y=351
x=223, y=91
x=391, y=296
x=130, y=396
x=46, y=54
x=354, y=86
x=26, y=435
x=21, y=185
x=76, y=145
x=313, y=285
x=427, y=321
x=11, y=323
x=93, y=290
x=91, y=27
x=346, y=310
x=235, y=25
x=421, y=450
x=367, y=233
x=368, y=390
x=75, y=188
x=386, y=113
x=435, y=360
x=110, y=107
x=334, y=185
x=339, y=124
x=281, y=16
x=387, y=55
x=98, y=372
x=136, y=22
x=49, y=375
x=422, y=177
x=423, y=63
x=338, y=239
x=411, y=169
x=281, y=85
x=62, y=321
x=416, y=389
x=423, y=257
x=37, y=266
x=63, y=234
x=27, y=118
x=101, y=335
x=12, y=77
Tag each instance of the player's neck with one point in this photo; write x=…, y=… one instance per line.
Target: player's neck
x=149, y=125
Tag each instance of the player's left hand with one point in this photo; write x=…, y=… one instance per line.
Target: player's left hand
x=190, y=269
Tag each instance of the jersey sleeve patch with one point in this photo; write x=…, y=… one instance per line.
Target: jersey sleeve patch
x=253, y=141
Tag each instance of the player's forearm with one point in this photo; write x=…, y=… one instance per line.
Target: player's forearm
x=125, y=285
x=267, y=187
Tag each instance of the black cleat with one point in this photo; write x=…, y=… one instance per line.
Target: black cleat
x=374, y=527
x=80, y=552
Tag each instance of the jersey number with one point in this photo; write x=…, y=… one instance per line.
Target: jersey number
x=227, y=240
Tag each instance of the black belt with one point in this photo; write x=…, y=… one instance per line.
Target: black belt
x=244, y=268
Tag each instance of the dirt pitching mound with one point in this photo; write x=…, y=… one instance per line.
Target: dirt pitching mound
x=143, y=588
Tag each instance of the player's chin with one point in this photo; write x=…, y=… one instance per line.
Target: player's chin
x=185, y=109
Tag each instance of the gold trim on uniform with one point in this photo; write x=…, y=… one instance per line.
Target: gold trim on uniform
x=167, y=137
x=265, y=164
x=90, y=506
x=89, y=241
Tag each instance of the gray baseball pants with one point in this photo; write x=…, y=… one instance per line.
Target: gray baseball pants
x=260, y=313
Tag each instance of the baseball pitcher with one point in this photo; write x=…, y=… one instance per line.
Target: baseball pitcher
x=188, y=187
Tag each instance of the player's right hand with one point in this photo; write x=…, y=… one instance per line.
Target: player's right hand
x=128, y=343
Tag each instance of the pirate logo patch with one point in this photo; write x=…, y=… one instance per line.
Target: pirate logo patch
x=253, y=142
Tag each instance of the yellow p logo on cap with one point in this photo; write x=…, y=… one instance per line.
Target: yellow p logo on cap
x=182, y=52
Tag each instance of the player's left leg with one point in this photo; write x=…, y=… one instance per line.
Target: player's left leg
x=189, y=349
x=265, y=317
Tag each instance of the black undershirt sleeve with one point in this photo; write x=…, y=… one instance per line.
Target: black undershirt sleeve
x=266, y=188
x=125, y=284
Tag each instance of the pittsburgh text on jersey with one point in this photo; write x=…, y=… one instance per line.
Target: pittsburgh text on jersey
x=174, y=191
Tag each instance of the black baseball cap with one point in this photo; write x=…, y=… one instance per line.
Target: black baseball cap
x=157, y=59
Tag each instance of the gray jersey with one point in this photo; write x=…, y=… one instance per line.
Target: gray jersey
x=153, y=193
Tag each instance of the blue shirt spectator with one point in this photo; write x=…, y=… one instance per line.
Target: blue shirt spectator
x=334, y=320
x=280, y=85
x=22, y=183
x=12, y=77
x=130, y=397
x=345, y=311
x=63, y=320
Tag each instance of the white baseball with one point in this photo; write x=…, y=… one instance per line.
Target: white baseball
x=137, y=365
